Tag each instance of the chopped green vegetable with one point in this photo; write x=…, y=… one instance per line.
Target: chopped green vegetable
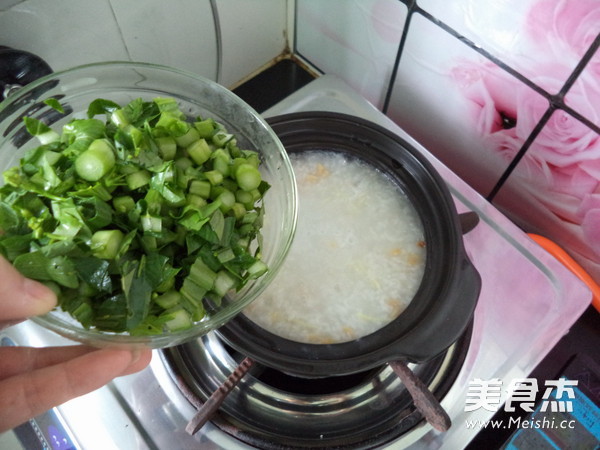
x=105, y=244
x=96, y=161
x=248, y=177
x=137, y=220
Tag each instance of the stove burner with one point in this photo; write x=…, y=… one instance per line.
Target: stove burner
x=18, y=68
x=309, y=386
x=273, y=410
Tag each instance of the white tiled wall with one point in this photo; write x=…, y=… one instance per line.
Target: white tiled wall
x=356, y=39
x=426, y=102
x=86, y=34
x=253, y=33
x=477, y=83
x=178, y=33
x=155, y=31
x=7, y=4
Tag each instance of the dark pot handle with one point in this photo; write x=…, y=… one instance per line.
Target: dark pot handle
x=425, y=401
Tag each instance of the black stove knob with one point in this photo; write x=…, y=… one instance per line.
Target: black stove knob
x=18, y=68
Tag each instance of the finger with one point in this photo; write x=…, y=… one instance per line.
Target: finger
x=16, y=360
x=142, y=358
x=21, y=297
x=29, y=394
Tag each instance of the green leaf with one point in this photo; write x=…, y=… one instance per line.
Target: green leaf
x=193, y=243
x=80, y=133
x=193, y=220
x=160, y=182
x=9, y=220
x=157, y=269
x=111, y=314
x=50, y=177
x=139, y=111
x=207, y=233
x=35, y=127
x=228, y=232
x=217, y=223
x=96, y=213
x=138, y=291
x=62, y=270
x=126, y=243
x=54, y=104
x=59, y=248
x=97, y=190
x=33, y=265
x=69, y=219
x=13, y=246
x=80, y=309
x=102, y=106
x=95, y=272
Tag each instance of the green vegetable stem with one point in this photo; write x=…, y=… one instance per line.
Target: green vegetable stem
x=137, y=220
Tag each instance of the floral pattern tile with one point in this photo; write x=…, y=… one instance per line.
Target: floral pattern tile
x=584, y=96
x=357, y=40
x=555, y=189
x=523, y=34
x=471, y=113
x=484, y=113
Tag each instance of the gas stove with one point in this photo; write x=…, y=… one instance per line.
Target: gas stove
x=527, y=303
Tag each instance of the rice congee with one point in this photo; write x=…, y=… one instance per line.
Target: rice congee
x=357, y=259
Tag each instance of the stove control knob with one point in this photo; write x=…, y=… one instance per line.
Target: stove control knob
x=18, y=68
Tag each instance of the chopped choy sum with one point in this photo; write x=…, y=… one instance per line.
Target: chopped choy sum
x=135, y=220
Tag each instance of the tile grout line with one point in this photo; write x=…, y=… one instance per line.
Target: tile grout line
x=388, y=95
x=219, y=39
x=555, y=101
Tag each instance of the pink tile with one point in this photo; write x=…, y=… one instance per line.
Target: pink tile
x=465, y=109
x=584, y=95
x=555, y=188
x=532, y=36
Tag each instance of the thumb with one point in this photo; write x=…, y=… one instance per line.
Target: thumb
x=21, y=297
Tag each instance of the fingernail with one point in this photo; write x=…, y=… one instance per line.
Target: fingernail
x=46, y=298
x=135, y=355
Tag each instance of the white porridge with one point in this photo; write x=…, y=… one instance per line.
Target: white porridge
x=357, y=258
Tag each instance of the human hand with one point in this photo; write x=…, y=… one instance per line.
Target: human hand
x=33, y=380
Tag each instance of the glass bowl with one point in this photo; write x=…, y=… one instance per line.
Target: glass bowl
x=122, y=82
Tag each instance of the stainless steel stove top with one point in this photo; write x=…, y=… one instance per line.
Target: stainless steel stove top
x=528, y=302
